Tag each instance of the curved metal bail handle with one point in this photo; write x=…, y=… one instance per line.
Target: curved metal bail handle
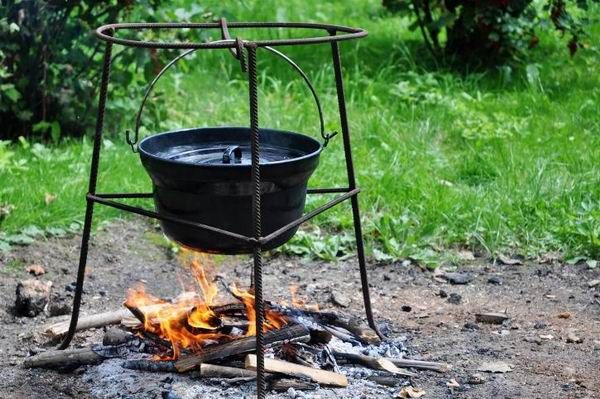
x=138, y=119
x=326, y=136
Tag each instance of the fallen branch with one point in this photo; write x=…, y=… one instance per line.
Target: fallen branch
x=323, y=377
x=376, y=363
x=240, y=346
x=87, y=322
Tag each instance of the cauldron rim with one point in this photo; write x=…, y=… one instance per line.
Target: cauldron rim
x=298, y=136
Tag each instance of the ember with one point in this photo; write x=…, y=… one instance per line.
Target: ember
x=190, y=321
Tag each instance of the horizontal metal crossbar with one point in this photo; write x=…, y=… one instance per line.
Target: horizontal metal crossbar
x=308, y=216
x=155, y=215
x=105, y=199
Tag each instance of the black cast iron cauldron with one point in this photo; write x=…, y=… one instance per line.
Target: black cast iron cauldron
x=203, y=175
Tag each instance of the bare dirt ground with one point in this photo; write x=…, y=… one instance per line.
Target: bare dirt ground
x=543, y=301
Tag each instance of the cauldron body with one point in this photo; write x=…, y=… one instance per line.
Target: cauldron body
x=195, y=179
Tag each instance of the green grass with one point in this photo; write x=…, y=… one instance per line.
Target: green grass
x=496, y=161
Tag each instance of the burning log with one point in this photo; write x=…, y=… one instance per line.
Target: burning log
x=376, y=363
x=216, y=371
x=322, y=377
x=283, y=384
x=87, y=322
x=163, y=366
x=242, y=345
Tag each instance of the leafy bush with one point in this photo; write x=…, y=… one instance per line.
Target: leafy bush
x=50, y=62
x=490, y=31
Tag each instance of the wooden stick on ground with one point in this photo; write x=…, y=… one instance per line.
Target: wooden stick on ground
x=323, y=377
x=216, y=371
x=63, y=359
x=87, y=322
x=377, y=363
x=240, y=346
x=283, y=384
x=420, y=364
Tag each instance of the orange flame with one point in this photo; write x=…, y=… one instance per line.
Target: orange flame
x=188, y=321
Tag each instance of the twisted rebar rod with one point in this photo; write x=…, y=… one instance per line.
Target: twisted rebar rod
x=256, y=219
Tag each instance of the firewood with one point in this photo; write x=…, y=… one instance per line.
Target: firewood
x=420, y=364
x=355, y=326
x=341, y=334
x=163, y=366
x=323, y=377
x=376, y=363
x=241, y=345
x=216, y=371
x=87, y=322
x=283, y=384
x=63, y=359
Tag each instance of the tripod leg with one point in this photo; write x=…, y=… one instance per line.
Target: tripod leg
x=337, y=66
x=87, y=225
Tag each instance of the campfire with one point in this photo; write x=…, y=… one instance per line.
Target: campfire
x=208, y=330
x=193, y=320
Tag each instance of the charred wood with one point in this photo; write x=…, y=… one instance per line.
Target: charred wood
x=242, y=345
x=283, y=384
x=162, y=366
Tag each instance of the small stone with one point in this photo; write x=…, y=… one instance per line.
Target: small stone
x=495, y=280
x=291, y=392
x=491, y=318
x=477, y=379
x=509, y=261
x=115, y=336
x=536, y=340
x=102, y=292
x=540, y=325
x=471, y=326
x=386, y=277
x=340, y=299
x=32, y=297
x=593, y=283
x=564, y=315
x=71, y=287
x=406, y=308
x=459, y=277
x=36, y=270
x=495, y=367
x=443, y=294
x=454, y=298
x=58, y=309
x=572, y=338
